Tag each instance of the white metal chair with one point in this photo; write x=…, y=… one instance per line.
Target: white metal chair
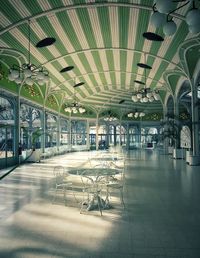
x=61, y=184
x=116, y=183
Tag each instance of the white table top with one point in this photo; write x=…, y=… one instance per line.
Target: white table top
x=94, y=171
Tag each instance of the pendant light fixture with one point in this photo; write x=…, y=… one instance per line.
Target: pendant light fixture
x=28, y=73
x=162, y=16
x=75, y=107
x=145, y=94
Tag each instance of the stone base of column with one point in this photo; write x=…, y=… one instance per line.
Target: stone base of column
x=193, y=160
x=179, y=153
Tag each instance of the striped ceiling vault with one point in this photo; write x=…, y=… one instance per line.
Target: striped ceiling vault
x=103, y=41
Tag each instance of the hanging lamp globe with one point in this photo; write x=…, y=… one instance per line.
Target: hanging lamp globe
x=158, y=19
x=139, y=95
x=145, y=99
x=194, y=29
x=169, y=28
x=134, y=98
x=164, y=6
x=29, y=81
x=193, y=17
x=18, y=80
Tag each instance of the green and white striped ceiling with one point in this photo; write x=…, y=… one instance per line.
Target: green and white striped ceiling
x=103, y=41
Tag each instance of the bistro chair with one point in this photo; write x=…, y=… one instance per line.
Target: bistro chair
x=61, y=184
x=116, y=183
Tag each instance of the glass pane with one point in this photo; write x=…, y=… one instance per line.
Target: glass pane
x=79, y=133
x=30, y=126
x=64, y=132
x=2, y=143
x=51, y=130
x=10, y=142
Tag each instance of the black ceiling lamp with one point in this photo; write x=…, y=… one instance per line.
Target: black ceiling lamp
x=145, y=66
x=152, y=36
x=139, y=82
x=122, y=101
x=66, y=69
x=45, y=42
x=78, y=84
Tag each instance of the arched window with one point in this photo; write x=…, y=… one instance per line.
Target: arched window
x=78, y=129
x=30, y=126
x=64, y=131
x=51, y=130
x=120, y=132
x=7, y=124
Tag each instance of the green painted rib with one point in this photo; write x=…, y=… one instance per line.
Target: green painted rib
x=33, y=7
x=123, y=14
x=123, y=60
x=173, y=80
x=87, y=27
x=97, y=60
x=9, y=11
x=50, y=31
x=110, y=59
x=103, y=15
x=55, y=3
x=143, y=21
x=170, y=53
x=85, y=62
x=192, y=58
x=65, y=22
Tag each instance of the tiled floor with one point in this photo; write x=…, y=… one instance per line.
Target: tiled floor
x=161, y=219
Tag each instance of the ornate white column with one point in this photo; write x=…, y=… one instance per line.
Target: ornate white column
x=17, y=129
x=43, y=136
x=88, y=135
x=70, y=134
x=97, y=131
x=127, y=137
x=195, y=120
x=165, y=140
x=176, y=122
x=58, y=132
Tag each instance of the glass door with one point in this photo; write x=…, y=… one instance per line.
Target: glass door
x=6, y=146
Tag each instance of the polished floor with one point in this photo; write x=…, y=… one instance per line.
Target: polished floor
x=161, y=218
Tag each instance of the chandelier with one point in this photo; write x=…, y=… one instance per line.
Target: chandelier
x=162, y=11
x=136, y=114
x=28, y=73
x=145, y=95
x=74, y=107
x=110, y=117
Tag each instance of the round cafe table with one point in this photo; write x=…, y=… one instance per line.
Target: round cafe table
x=97, y=177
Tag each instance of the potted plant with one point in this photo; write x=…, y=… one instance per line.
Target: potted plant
x=171, y=134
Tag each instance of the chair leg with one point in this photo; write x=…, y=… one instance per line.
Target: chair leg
x=55, y=195
x=122, y=198
x=99, y=204
x=64, y=192
x=84, y=201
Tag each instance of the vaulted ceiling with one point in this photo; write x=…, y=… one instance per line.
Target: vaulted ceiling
x=104, y=42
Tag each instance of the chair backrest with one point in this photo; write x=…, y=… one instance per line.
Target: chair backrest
x=58, y=170
x=58, y=178
x=58, y=175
